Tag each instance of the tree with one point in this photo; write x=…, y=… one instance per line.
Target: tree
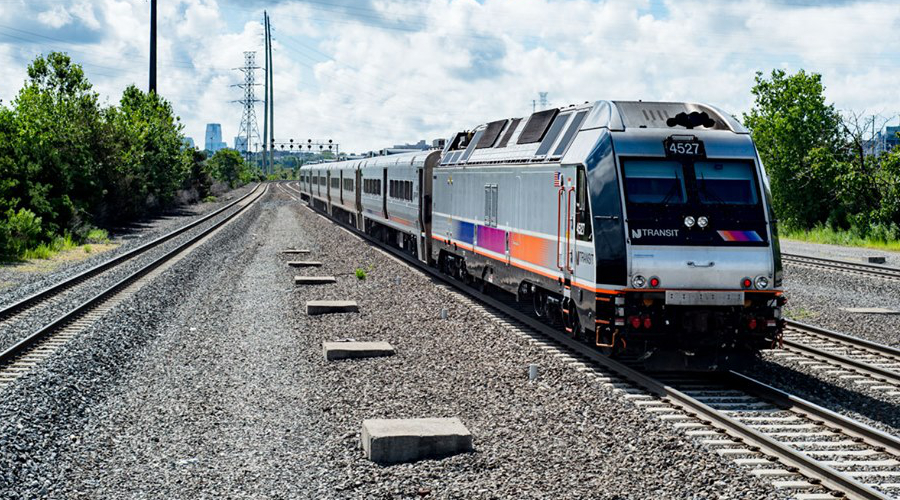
x=150, y=165
x=800, y=143
x=228, y=165
x=57, y=124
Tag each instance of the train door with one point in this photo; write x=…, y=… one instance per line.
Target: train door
x=358, y=185
x=565, y=241
x=564, y=224
x=328, y=189
x=384, y=193
x=341, y=187
x=426, y=184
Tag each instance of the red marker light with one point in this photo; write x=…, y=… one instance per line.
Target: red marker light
x=635, y=322
x=752, y=324
x=647, y=322
x=747, y=283
x=654, y=282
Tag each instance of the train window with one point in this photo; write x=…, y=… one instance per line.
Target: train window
x=409, y=191
x=348, y=184
x=583, y=220
x=552, y=134
x=654, y=182
x=729, y=183
x=335, y=183
x=570, y=133
x=509, y=132
x=537, y=126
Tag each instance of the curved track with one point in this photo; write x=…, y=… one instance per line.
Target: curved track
x=889, y=273
x=33, y=348
x=817, y=449
x=859, y=360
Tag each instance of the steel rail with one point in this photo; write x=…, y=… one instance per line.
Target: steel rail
x=891, y=354
x=45, y=331
x=828, y=476
x=11, y=310
x=859, y=267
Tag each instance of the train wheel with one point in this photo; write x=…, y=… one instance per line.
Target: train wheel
x=539, y=301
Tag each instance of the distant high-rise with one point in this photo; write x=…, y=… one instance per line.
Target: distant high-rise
x=214, y=138
x=189, y=142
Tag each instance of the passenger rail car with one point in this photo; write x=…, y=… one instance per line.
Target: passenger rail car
x=644, y=228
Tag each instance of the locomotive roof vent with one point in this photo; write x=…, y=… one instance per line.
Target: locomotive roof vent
x=640, y=114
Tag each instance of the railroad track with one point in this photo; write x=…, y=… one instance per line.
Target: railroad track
x=888, y=273
x=799, y=446
x=20, y=358
x=858, y=360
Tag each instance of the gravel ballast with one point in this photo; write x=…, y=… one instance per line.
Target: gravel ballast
x=820, y=297
x=26, y=322
x=21, y=280
x=215, y=386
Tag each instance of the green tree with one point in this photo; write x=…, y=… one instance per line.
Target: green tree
x=227, y=165
x=57, y=124
x=799, y=138
x=150, y=165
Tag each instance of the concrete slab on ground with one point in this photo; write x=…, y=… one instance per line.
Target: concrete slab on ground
x=314, y=280
x=390, y=441
x=870, y=310
x=295, y=251
x=351, y=350
x=304, y=263
x=314, y=307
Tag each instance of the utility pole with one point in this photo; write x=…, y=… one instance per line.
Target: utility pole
x=271, y=96
x=152, y=46
x=266, y=141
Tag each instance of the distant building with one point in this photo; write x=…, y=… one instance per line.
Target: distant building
x=883, y=141
x=214, y=138
x=421, y=146
x=189, y=142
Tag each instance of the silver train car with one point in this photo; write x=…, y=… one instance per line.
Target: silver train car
x=644, y=228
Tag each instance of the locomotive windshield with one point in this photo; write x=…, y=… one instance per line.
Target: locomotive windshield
x=694, y=201
x=731, y=183
x=654, y=182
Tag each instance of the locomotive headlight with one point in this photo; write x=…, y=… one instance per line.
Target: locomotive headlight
x=638, y=281
x=689, y=221
x=702, y=222
x=762, y=282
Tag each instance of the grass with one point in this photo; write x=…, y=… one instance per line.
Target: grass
x=837, y=237
x=210, y=199
x=97, y=236
x=47, y=250
x=360, y=273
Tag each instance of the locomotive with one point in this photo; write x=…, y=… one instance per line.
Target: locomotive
x=644, y=228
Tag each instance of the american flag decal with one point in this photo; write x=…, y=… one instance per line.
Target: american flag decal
x=557, y=179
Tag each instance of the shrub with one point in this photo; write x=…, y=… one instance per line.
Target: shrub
x=360, y=273
x=20, y=232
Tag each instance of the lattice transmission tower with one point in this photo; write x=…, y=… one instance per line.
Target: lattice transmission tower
x=249, y=131
x=544, y=102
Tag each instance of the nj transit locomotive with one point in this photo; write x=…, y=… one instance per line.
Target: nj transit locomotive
x=644, y=228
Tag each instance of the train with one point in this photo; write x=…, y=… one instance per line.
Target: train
x=643, y=228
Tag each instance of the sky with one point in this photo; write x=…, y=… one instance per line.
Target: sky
x=369, y=74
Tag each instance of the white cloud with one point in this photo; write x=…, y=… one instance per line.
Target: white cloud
x=371, y=74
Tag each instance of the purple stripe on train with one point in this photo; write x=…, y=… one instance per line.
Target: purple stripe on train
x=492, y=239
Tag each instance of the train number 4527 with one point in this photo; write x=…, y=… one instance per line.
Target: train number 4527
x=684, y=148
